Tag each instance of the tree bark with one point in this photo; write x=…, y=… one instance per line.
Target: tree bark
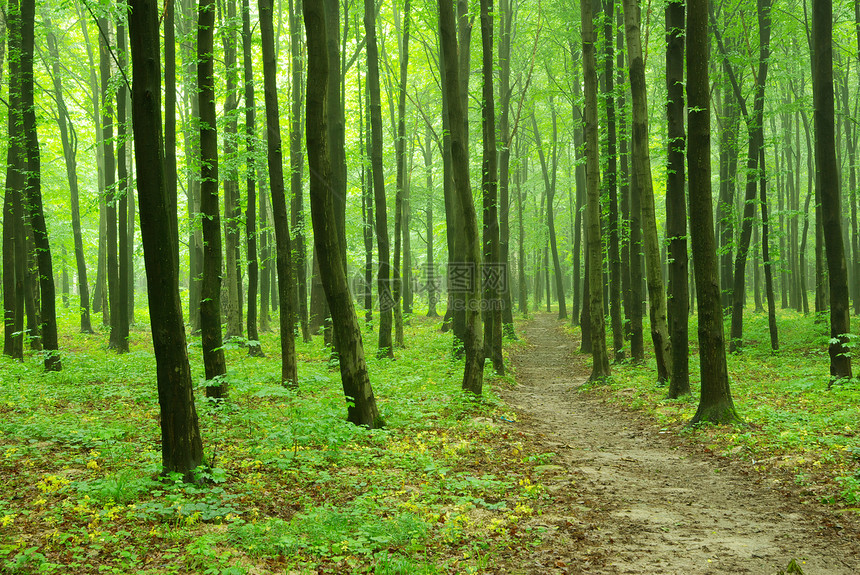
x=676, y=207
x=827, y=170
x=386, y=301
x=232, y=211
x=468, y=252
x=600, y=357
x=123, y=191
x=296, y=166
x=254, y=347
x=347, y=331
x=493, y=272
x=274, y=157
x=715, y=402
x=214, y=363
x=644, y=189
x=610, y=183
x=400, y=152
x=181, y=445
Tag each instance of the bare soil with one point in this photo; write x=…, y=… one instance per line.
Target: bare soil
x=630, y=498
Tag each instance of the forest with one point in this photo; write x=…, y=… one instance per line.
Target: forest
x=413, y=286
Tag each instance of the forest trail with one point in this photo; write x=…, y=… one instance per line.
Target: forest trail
x=648, y=504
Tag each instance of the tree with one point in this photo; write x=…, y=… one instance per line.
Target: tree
x=489, y=185
x=827, y=173
x=274, y=158
x=33, y=192
x=400, y=192
x=611, y=183
x=715, y=402
x=296, y=165
x=643, y=187
x=214, y=363
x=14, y=263
x=181, y=445
x=386, y=301
x=347, y=330
x=600, y=357
x=676, y=207
x=468, y=260
x=254, y=348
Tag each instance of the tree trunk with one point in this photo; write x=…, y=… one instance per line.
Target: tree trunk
x=715, y=402
x=232, y=211
x=386, y=300
x=827, y=169
x=33, y=192
x=123, y=190
x=493, y=272
x=400, y=153
x=111, y=194
x=469, y=254
x=600, y=357
x=181, y=446
x=356, y=382
x=506, y=20
x=296, y=167
x=765, y=251
x=676, y=208
x=254, y=347
x=610, y=183
x=644, y=189
x=274, y=157
x=431, y=279
x=192, y=146
x=14, y=259
x=214, y=363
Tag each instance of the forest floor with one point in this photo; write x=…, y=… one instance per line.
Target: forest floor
x=628, y=497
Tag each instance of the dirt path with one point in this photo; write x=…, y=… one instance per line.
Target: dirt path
x=651, y=506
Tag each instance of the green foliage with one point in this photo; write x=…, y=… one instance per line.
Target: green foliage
x=287, y=483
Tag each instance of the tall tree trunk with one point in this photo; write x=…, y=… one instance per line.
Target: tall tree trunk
x=827, y=169
x=232, y=211
x=192, y=163
x=600, y=357
x=170, y=170
x=181, y=446
x=296, y=166
x=676, y=208
x=123, y=190
x=254, y=347
x=214, y=363
x=431, y=279
x=715, y=402
x=400, y=152
x=469, y=253
x=644, y=189
x=610, y=183
x=366, y=201
x=14, y=259
x=521, y=250
x=33, y=192
x=386, y=301
x=274, y=157
x=493, y=272
x=765, y=251
x=111, y=194
x=505, y=24
x=347, y=331
x=69, y=139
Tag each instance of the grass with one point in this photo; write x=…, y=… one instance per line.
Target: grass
x=292, y=486
x=796, y=427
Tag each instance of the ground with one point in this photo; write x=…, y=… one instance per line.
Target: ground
x=630, y=498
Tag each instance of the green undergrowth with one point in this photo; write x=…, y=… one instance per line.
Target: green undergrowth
x=289, y=485
x=797, y=427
